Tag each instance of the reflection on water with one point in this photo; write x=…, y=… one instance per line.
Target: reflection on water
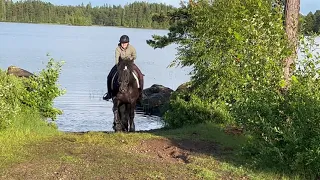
x=95, y=114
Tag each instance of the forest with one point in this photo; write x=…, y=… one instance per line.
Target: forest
x=312, y=22
x=134, y=15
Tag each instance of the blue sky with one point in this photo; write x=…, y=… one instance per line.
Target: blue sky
x=306, y=5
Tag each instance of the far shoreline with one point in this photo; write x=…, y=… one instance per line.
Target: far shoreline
x=84, y=25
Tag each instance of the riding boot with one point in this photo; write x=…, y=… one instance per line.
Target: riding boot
x=108, y=95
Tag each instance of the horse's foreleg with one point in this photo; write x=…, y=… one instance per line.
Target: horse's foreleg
x=125, y=118
x=131, y=117
x=116, y=123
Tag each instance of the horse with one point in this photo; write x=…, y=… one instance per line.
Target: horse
x=126, y=96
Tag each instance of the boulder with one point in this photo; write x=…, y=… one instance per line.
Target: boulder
x=155, y=99
x=185, y=87
x=16, y=71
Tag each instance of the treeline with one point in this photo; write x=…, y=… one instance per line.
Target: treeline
x=311, y=23
x=137, y=14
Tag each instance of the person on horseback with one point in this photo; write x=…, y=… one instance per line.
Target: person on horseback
x=125, y=51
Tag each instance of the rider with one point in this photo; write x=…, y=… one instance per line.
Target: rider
x=125, y=51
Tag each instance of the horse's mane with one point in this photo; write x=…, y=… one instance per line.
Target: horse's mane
x=121, y=65
x=123, y=62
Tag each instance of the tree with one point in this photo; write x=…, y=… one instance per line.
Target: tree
x=309, y=23
x=292, y=9
x=316, y=28
x=2, y=10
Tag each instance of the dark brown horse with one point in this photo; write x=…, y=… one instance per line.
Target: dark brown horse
x=126, y=95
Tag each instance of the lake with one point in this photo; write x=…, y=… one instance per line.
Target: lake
x=88, y=53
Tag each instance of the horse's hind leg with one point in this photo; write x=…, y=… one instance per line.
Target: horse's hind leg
x=116, y=124
x=131, y=117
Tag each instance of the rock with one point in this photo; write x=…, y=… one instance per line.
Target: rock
x=16, y=71
x=155, y=99
x=184, y=87
x=184, y=91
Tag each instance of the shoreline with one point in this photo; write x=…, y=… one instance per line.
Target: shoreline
x=94, y=25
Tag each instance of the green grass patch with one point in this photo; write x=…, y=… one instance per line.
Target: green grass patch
x=40, y=151
x=27, y=127
x=206, y=132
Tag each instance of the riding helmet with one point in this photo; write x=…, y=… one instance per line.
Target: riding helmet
x=124, y=39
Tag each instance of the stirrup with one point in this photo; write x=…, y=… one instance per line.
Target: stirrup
x=106, y=96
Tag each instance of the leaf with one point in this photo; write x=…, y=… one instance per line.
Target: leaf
x=238, y=36
x=294, y=79
x=282, y=83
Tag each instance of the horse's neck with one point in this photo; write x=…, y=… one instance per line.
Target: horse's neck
x=132, y=80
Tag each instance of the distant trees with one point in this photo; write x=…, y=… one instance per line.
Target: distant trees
x=311, y=23
x=137, y=14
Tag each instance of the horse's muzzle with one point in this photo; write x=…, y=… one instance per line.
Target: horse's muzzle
x=122, y=90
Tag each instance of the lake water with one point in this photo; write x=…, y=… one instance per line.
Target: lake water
x=88, y=53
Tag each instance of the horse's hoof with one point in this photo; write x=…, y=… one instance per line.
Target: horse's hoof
x=118, y=128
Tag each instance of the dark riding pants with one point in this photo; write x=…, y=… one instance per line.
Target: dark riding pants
x=109, y=79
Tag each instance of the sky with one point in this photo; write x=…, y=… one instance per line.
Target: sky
x=305, y=7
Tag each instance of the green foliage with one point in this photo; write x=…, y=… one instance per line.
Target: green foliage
x=137, y=14
x=285, y=128
x=36, y=94
x=44, y=90
x=194, y=111
x=316, y=28
x=228, y=44
x=180, y=22
x=10, y=90
x=236, y=49
x=311, y=23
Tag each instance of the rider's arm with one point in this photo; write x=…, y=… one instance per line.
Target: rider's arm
x=133, y=53
x=117, y=55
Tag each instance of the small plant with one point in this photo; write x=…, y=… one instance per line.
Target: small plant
x=44, y=90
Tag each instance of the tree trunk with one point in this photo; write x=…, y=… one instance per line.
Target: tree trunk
x=292, y=9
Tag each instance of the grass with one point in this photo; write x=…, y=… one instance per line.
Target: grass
x=27, y=128
x=34, y=150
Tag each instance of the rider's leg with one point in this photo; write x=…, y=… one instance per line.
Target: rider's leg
x=109, y=79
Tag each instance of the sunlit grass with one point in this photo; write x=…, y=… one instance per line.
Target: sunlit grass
x=31, y=140
x=27, y=127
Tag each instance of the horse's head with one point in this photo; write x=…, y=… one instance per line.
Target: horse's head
x=125, y=77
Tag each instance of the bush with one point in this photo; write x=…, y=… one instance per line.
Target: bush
x=285, y=127
x=11, y=90
x=236, y=49
x=44, y=90
x=192, y=110
x=285, y=130
x=36, y=93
